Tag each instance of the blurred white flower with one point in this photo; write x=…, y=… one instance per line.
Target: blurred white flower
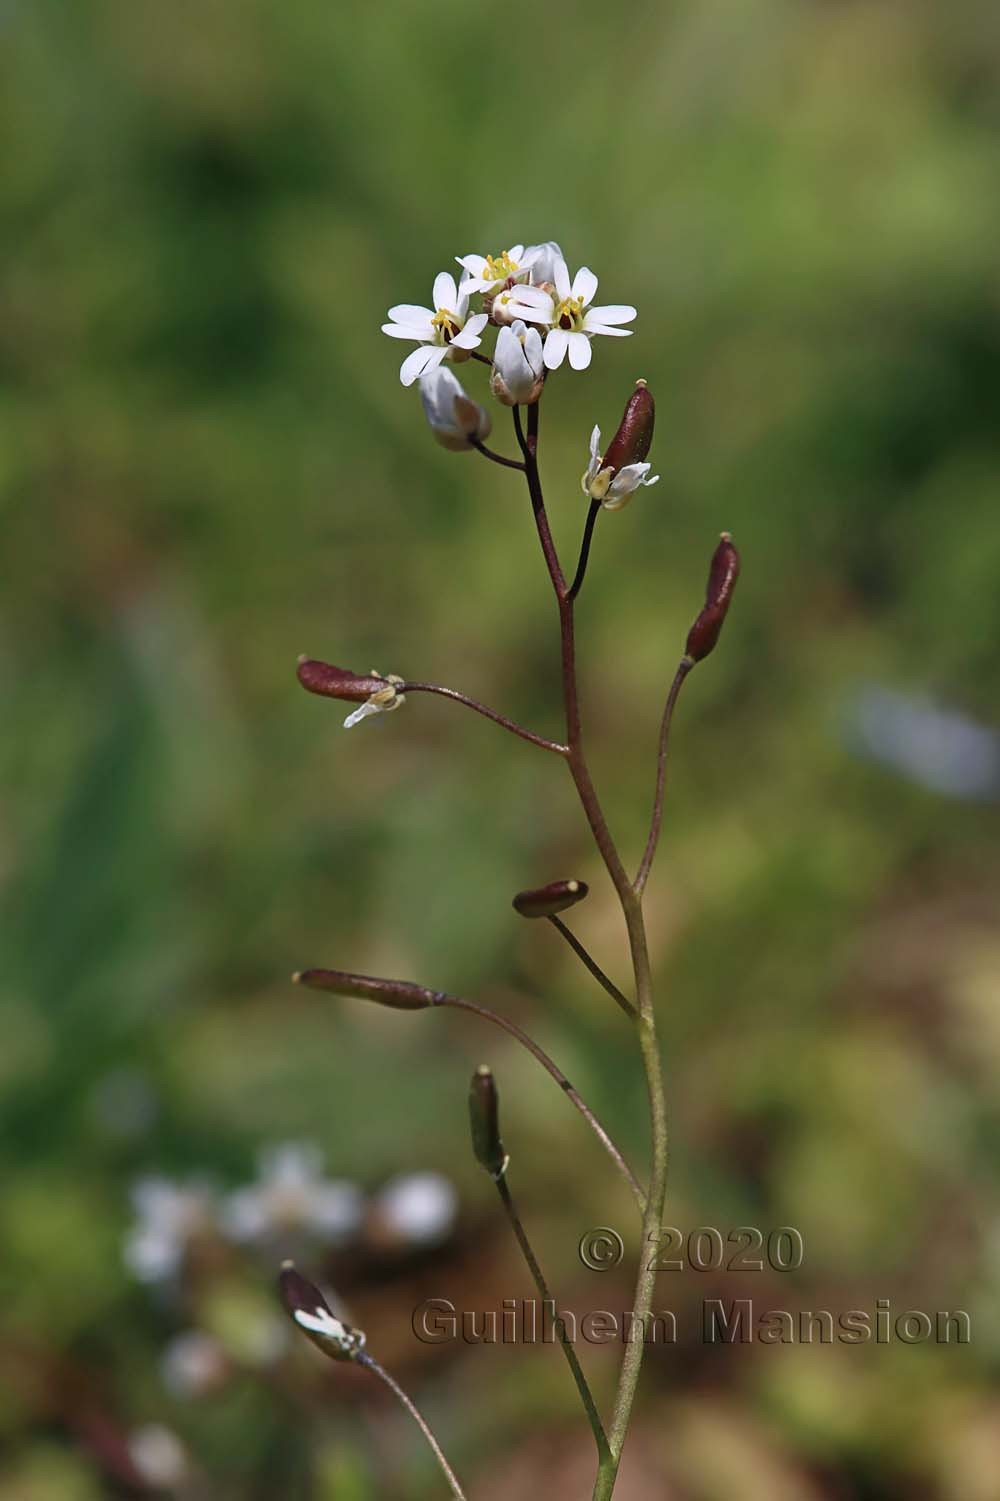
x=159, y=1456
x=418, y=1209
x=291, y=1194
x=613, y=488
x=485, y=273
x=380, y=702
x=566, y=313
x=937, y=747
x=193, y=1364
x=444, y=331
x=169, y=1216
x=454, y=418
x=518, y=368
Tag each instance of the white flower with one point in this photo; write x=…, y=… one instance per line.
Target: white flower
x=291, y=1194
x=542, y=261
x=518, y=368
x=612, y=489
x=418, y=1208
x=455, y=419
x=382, y=701
x=169, y=1216
x=485, y=273
x=193, y=1364
x=567, y=315
x=446, y=331
x=159, y=1456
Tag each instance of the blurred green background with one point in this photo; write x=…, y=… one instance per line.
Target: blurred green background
x=209, y=466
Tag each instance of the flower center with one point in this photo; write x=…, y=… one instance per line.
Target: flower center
x=569, y=314
x=499, y=269
x=445, y=326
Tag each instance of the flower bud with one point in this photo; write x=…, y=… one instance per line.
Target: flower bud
x=634, y=438
x=518, y=373
x=484, y=1118
x=399, y=994
x=307, y=1308
x=455, y=419
x=546, y=901
x=722, y=575
x=337, y=682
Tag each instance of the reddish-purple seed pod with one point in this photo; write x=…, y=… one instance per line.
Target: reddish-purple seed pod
x=722, y=575
x=546, y=901
x=632, y=442
x=337, y=682
x=399, y=994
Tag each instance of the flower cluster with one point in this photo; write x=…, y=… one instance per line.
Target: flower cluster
x=291, y=1202
x=530, y=287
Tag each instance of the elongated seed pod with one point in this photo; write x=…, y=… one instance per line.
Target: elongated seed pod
x=632, y=442
x=337, y=682
x=722, y=575
x=484, y=1118
x=546, y=901
x=399, y=994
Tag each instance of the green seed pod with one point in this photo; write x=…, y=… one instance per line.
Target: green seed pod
x=484, y=1118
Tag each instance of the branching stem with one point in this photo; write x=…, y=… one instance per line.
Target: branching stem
x=594, y=968
x=459, y=1003
x=488, y=713
x=631, y=904
x=586, y=1396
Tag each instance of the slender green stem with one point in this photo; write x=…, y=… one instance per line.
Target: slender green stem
x=593, y=1416
x=371, y=1364
x=594, y=968
x=683, y=669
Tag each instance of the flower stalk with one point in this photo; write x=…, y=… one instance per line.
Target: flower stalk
x=544, y=320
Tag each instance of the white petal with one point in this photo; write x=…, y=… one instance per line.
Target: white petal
x=560, y=275
x=421, y=360
x=445, y=292
x=516, y=253
x=615, y=312
x=654, y=479
x=467, y=339
x=556, y=343
x=612, y=333
x=408, y=331
x=474, y=264
x=579, y=351
x=595, y=443
x=411, y=312
x=584, y=285
x=362, y=712
x=533, y=349
x=476, y=323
